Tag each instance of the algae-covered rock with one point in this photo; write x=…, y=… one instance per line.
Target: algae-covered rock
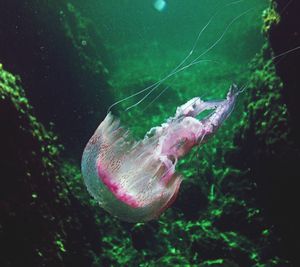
x=38, y=219
x=28, y=181
x=63, y=63
x=267, y=140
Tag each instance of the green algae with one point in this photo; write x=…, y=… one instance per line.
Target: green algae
x=37, y=217
x=270, y=18
x=29, y=155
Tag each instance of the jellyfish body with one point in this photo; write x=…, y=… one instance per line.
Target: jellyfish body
x=136, y=181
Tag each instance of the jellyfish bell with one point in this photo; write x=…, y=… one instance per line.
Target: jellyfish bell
x=127, y=178
x=136, y=180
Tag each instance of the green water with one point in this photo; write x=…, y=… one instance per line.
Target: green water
x=145, y=45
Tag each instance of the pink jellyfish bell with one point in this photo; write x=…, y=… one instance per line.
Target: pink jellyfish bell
x=136, y=181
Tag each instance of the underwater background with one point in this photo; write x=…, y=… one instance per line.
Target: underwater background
x=64, y=63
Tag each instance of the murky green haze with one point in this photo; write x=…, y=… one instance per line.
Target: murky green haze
x=144, y=45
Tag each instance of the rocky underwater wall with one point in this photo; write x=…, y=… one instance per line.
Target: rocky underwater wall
x=269, y=141
x=62, y=62
x=38, y=215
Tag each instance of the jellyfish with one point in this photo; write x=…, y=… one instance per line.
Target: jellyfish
x=136, y=180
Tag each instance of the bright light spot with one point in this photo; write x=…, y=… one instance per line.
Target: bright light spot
x=160, y=5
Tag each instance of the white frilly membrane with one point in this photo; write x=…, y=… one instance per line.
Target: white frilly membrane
x=127, y=178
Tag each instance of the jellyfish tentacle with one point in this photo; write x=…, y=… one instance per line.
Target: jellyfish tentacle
x=195, y=61
x=181, y=66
